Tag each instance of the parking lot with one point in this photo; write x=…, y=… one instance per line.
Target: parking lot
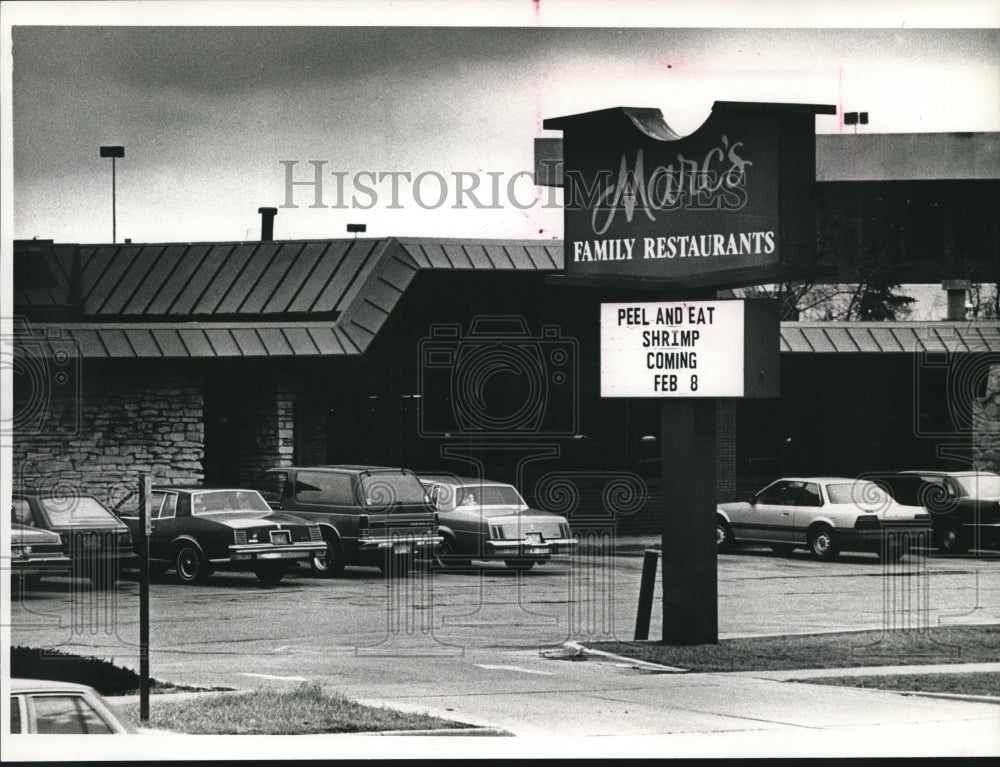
x=234, y=632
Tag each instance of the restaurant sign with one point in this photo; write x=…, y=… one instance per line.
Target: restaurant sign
x=733, y=199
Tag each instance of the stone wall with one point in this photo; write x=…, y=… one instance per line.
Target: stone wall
x=268, y=428
x=125, y=422
x=725, y=447
x=986, y=424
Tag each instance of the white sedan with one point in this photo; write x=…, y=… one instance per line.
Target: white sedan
x=826, y=515
x=42, y=707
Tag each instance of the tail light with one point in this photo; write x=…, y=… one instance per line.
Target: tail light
x=364, y=527
x=496, y=532
x=240, y=537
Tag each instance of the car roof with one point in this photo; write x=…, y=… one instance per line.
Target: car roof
x=821, y=479
x=19, y=685
x=353, y=468
x=50, y=494
x=200, y=488
x=461, y=480
x=945, y=473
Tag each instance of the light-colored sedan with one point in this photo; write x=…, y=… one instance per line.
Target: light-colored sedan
x=480, y=519
x=826, y=515
x=42, y=707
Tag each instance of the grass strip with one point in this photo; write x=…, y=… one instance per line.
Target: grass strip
x=305, y=710
x=954, y=684
x=939, y=645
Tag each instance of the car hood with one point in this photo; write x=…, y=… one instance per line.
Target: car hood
x=732, y=505
x=246, y=519
x=94, y=526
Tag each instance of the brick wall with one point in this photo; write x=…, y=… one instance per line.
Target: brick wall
x=122, y=424
x=725, y=446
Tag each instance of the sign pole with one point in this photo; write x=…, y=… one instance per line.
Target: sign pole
x=145, y=524
x=687, y=469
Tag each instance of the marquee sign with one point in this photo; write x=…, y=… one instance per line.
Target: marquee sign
x=731, y=203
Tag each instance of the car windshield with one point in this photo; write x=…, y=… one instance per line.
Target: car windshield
x=215, y=501
x=386, y=489
x=75, y=510
x=867, y=493
x=985, y=486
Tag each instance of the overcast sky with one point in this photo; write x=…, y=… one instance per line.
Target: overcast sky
x=208, y=114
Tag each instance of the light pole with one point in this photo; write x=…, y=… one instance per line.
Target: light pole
x=113, y=152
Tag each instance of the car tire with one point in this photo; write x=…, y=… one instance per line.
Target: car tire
x=782, y=548
x=951, y=541
x=445, y=557
x=190, y=564
x=331, y=563
x=270, y=575
x=519, y=564
x=823, y=542
x=724, y=540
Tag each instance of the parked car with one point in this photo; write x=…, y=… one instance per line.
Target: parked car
x=42, y=707
x=197, y=530
x=35, y=553
x=827, y=515
x=368, y=515
x=964, y=506
x=481, y=519
x=97, y=543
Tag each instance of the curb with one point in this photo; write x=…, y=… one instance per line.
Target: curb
x=579, y=649
x=465, y=732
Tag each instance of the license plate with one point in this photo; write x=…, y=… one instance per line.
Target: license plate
x=533, y=537
x=535, y=551
x=281, y=537
x=401, y=548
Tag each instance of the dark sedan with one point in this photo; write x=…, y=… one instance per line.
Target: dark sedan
x=97, y=543
x=197, y=530
x=35, y=553
x=964, y=505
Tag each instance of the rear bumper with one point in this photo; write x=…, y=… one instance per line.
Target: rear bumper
x=398, y=543
x=267, y=552
x=871, y=539
x=522, y=548
x=40, y=565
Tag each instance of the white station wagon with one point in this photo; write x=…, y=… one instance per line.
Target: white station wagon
x=826, y=515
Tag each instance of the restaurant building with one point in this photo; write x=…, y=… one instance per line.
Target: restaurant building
x=209, y=362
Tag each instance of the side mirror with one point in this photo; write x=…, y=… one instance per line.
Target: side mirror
x=752, y=500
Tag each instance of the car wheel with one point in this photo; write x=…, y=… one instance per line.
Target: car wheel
x=822, y=542
x=782, y=548
x=519, y=564
x=331, y=562
x=445, y=555
x=190, y=564
x=270, y=575
x=723, y=535
x=951, y=541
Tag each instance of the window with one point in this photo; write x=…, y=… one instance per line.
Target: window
x=215, y=501
x=774, y=494
x=67, y=714
x=272, y=485
x=68, y=510
x=325, y=487
x=810, y=495
x=389, y=488
x=169, y=507
x=20, y=511
x=15, y=714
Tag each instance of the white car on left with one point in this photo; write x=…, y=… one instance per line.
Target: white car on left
x=43, y=707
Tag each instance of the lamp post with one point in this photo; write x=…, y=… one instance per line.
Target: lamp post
x=113, y=152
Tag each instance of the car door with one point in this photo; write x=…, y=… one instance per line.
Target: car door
x=163, y=510
x=769, y=518
x=807, y=505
